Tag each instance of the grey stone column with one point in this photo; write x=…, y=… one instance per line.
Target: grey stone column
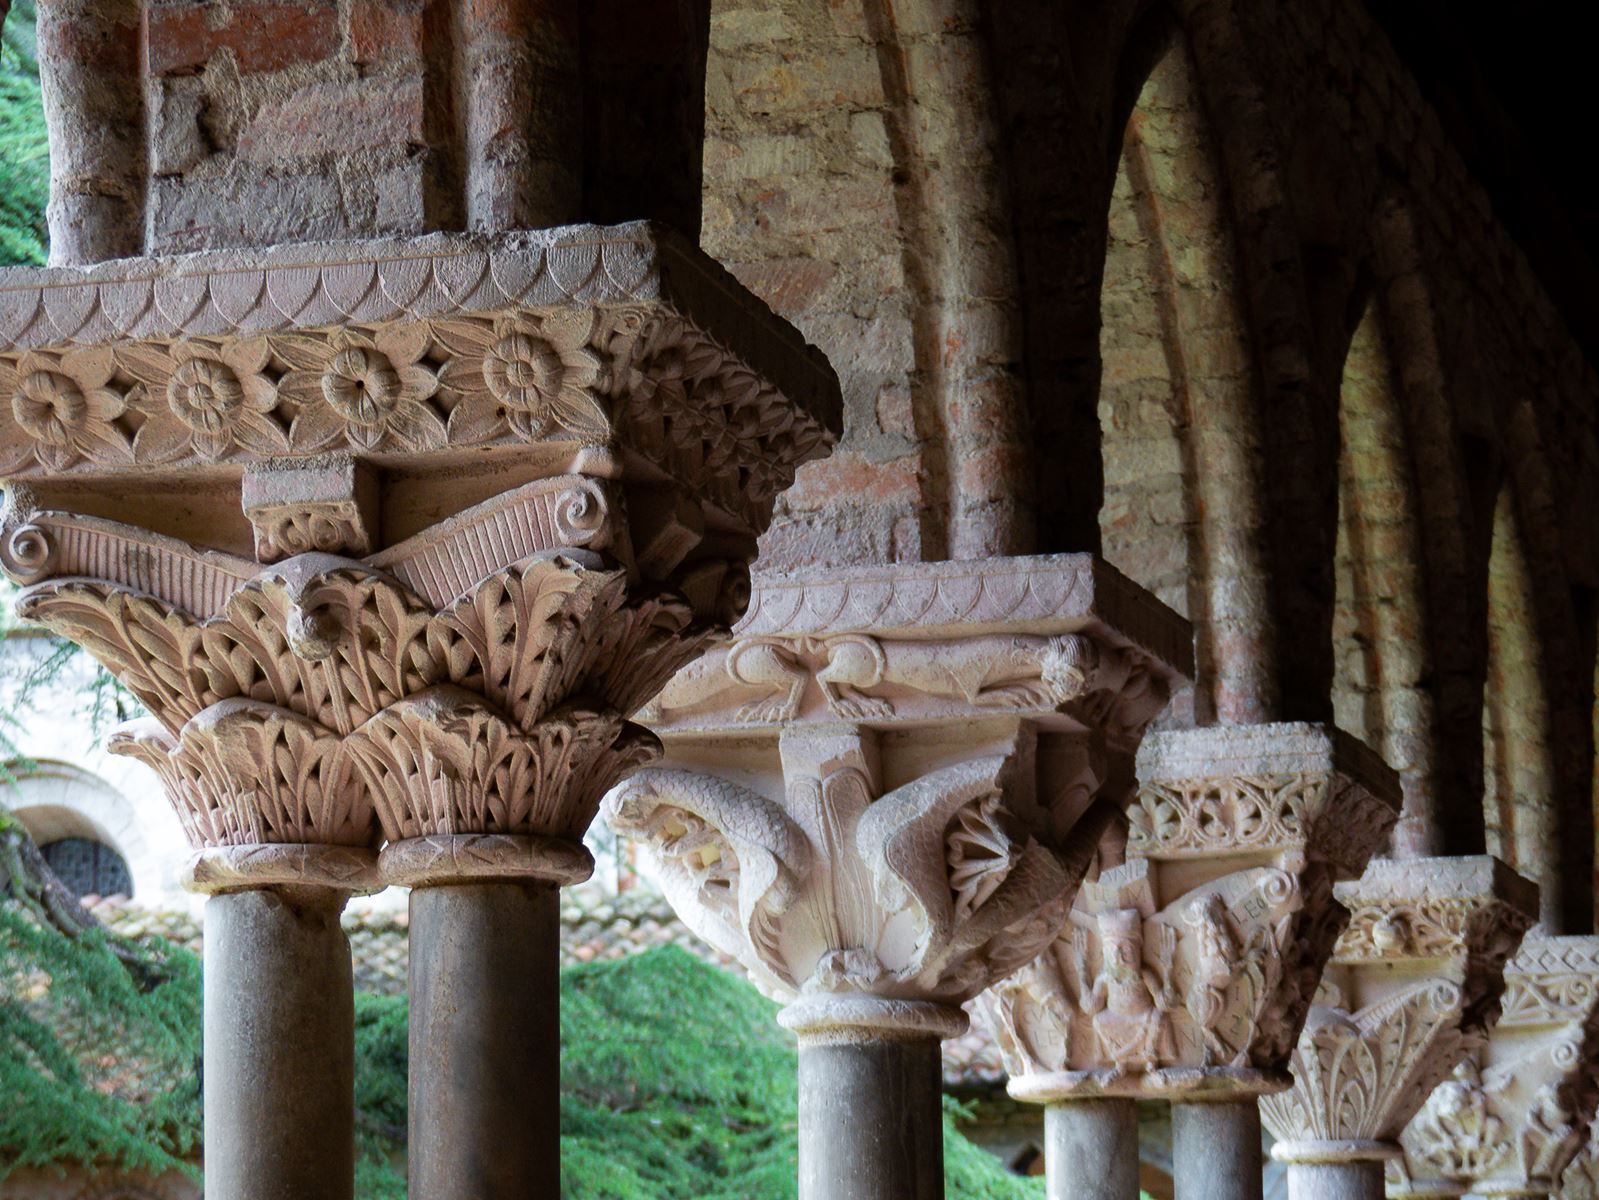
x=1355, y=1179
x=485, y=1042
x=1091, y=1149
x=1216, y=1149
x=871, y=1085
x=279, y=1046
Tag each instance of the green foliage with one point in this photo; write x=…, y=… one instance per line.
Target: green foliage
x=24, y=152
x=95, y=1069
x=675, y=1080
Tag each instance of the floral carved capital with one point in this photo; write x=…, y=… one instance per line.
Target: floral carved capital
x=924, y=893
x=1516, y=1112
x=1404, y=1000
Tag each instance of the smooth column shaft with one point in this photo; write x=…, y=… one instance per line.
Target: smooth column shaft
x=1091, y=1150
x=1359, y=1180
x=279, y=1047
x=485, y=1111
x=1216, y=1150
x=870, y=1120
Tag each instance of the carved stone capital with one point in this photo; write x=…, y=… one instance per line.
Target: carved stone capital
x=882, y=796
x=325, y=699
x=620, y=351
x=1413, y=987
x=1188, y=969
x=1516, y=1111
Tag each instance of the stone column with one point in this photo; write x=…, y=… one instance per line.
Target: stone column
x=1517, y=1109
x=1186, y=970
x=353, y=524
x=1413, y=987
x=284, y=840
x=880, y=799
x=1091, y=1149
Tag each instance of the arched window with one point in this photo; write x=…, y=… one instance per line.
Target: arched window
x=88, y=867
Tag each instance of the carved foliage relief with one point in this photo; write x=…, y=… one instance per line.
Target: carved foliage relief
x=581, y=375
x=324, y=683
x=928, y=891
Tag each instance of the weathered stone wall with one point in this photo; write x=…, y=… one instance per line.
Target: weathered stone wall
x=190, y=124
x=1281, y=181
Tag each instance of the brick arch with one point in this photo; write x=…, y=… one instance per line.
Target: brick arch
x=55, y=799
x=1380, y=648
x=1451, y=470
x=1518, y=769
x=1179, y=397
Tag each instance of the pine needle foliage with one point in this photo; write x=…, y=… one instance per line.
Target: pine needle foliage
x=96, y=1066
x=676, y=1083
x=24, y=151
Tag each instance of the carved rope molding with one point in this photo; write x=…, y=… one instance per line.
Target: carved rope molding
x=398, y=348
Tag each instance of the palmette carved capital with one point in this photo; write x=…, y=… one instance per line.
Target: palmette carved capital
x=1407, y=997
x=325, y=702
x=1189, y=968
x=924, y=893
x=1517, y=1110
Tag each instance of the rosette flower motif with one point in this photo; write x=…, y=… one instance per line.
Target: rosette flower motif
x=367, y=389
x=206, y=395
x=538, y=376
x=64, y=409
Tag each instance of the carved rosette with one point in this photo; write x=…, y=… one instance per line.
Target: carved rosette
x=1516, y=1111
x=1241, y=832
x=581, y=346
x=882, y=795
x=1413, y=988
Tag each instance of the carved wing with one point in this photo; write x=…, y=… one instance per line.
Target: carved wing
x=731, y=861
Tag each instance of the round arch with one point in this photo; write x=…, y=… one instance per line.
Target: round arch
x=56, y=800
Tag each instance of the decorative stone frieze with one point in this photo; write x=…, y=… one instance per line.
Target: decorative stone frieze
x=1188, y=968
x=618, y=352
x=881, y=796
x=1413, y=988
x=353, y=523
x=1516, y=1111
